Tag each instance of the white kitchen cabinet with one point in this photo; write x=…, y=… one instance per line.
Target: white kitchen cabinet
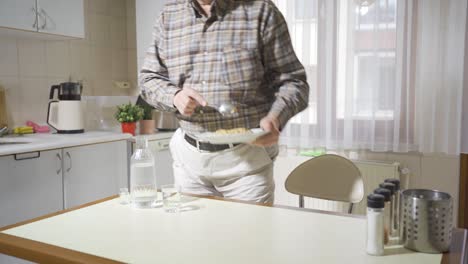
x=94, y=172
x=57, y=17
x=61, y=17
x=30, y=185
x=18, y=14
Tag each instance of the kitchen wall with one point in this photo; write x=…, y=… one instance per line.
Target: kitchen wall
x=30, y=65
x=435, y=171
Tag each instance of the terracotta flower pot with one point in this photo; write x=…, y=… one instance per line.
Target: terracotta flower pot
x=147, y=127
x=129, y=127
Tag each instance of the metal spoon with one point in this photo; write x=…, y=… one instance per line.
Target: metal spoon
x=227, y=109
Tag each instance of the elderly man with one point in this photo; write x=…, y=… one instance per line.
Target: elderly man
x=209, y=52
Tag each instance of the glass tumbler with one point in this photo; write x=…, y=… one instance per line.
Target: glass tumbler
x=171, y=198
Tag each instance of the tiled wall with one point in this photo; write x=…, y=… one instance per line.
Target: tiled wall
x=29, y=66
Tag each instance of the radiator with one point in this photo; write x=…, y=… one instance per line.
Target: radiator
x=373, y=173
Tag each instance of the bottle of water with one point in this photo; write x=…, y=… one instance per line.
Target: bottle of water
x=143, y=190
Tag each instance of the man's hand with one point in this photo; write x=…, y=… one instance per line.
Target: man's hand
x=187, y=100
x=271, y=125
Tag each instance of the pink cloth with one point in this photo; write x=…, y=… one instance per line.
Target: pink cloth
x=37, y=128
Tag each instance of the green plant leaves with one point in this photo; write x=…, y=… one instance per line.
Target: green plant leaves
x=128, y=113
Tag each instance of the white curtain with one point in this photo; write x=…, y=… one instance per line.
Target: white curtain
x=385, y=75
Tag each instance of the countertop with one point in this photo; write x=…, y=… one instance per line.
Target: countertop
x=40, y=142
x=206, y=231
x=155, y=136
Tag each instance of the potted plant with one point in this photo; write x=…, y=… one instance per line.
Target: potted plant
x=147, y=125
x=128, y=115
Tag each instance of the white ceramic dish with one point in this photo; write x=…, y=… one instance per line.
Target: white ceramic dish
x=247, y=137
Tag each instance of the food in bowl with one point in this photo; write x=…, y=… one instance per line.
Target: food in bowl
x=238, y=130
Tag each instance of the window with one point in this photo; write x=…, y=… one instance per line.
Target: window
x=371, y=97
x=303, y=29
x=381, y=13
x=373, y=46
x=369, y=94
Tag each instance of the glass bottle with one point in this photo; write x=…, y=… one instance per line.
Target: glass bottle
x=143, y=189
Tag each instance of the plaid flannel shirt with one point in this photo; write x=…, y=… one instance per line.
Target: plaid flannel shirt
x=241, y=54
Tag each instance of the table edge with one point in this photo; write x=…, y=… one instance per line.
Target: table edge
x=29, y=249
x=45, y=253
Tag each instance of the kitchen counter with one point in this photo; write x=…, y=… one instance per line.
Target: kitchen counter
x=40, y=142
x=155, y=136
x=208, y=230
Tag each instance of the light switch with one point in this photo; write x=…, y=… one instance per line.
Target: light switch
x=122, y=85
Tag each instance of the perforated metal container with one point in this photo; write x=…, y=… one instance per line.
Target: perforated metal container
x=426, y=220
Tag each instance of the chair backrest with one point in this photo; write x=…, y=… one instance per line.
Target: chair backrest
x=329, y=177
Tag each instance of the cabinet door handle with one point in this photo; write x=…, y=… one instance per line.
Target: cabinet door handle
x=35, y=17
x=60, y=166
x=27, y=156
x=69, y=158
x=44, y=17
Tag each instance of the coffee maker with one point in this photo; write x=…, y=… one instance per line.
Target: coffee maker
x=66, y=115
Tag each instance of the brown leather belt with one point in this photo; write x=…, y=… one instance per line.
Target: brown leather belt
x=205, y=146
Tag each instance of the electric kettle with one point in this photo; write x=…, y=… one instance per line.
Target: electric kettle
x=66, y=115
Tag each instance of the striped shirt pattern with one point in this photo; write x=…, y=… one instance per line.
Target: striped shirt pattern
x=242, y=54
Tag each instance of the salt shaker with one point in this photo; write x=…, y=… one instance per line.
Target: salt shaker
x=396, y=206
x=391, y=187
x=387, y=219
x=375, y=224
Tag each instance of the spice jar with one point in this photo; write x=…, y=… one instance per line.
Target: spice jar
x=375, y=224
x=396, y=206
x=391, y=187
x=387, y=219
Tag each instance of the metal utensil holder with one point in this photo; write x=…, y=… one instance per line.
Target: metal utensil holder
x=426, y=220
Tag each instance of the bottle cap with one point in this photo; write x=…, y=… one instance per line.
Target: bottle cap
x=394, y=181
x=375, y=201
x=385, y=192
x=390, y=186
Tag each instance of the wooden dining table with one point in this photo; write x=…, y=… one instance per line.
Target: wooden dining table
x=206, y=230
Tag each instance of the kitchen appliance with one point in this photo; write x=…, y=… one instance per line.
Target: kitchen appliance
x=66, y=115
x=165, y=121
x=426, y=220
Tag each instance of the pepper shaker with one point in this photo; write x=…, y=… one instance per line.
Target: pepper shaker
x=387, y=219
x=375, y=224
x=391, y=187
x=396, y=206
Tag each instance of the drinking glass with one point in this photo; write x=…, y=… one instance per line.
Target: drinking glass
x=124, y=196
x=171, y=198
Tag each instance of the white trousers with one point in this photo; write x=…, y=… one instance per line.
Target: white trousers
x=244, y=172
